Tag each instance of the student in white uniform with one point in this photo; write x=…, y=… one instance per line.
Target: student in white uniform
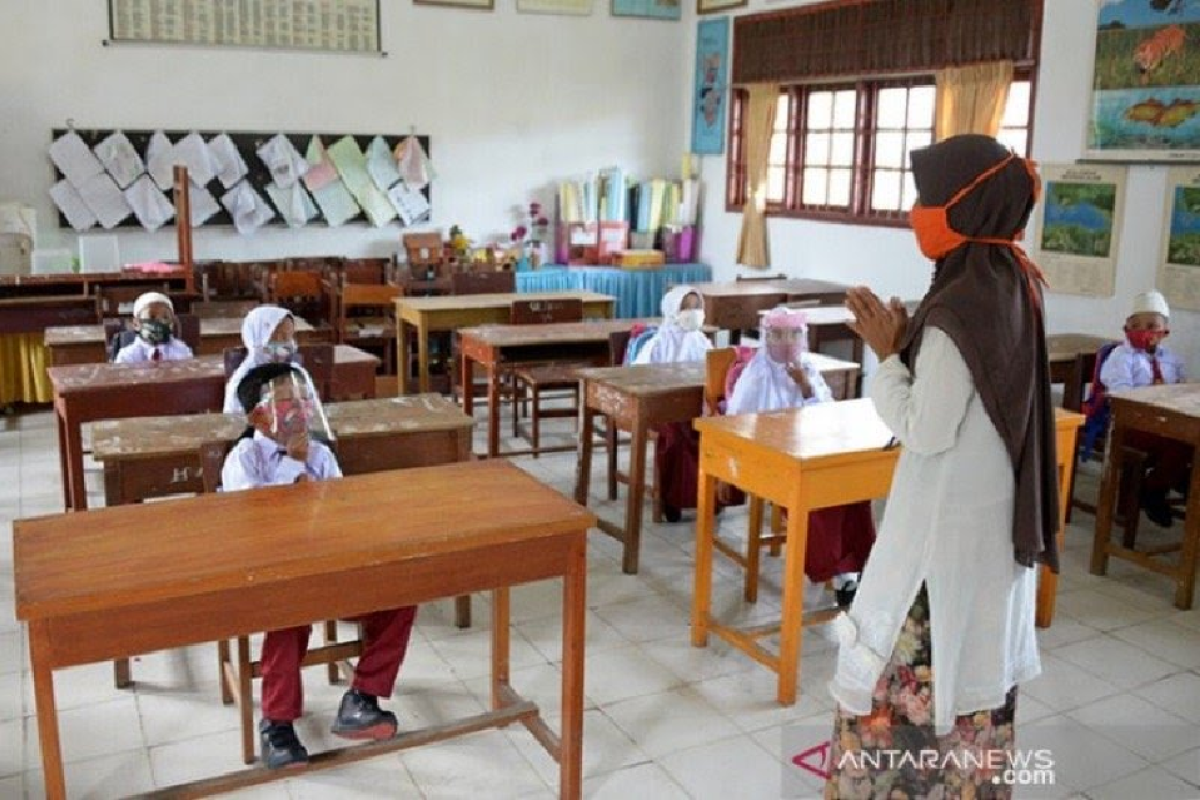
x=154, y=321
x=942, y=628
x=268, y=334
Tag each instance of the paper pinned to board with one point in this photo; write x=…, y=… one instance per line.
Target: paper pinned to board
x=101, y=195
x=117, y=155
x=414, y=164
x=192, y=152
x=229, y=164
x=74, y=159
x=66, y=198
x=410, y=204
x=381, y=164
x=320, y=169
x=202, y=206
x=158, y=161
x=293, y=204
x=282, y=160
x=352, y=166
x=148, y=203
x=336, y=203
x=249, y=211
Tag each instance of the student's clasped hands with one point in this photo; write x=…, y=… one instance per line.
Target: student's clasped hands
x=881, y=326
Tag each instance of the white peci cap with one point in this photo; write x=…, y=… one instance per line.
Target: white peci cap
x=1151, y=303
x=144, y=301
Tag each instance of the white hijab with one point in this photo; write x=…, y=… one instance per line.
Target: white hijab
x=671, y=343
x=257, y=329
x=765, y=384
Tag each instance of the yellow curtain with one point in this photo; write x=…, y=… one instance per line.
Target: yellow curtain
x=23, y=377
x=752, y=250
x=971, y=99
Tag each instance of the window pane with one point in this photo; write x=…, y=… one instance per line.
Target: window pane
x=844, y=109
x=820, y=110
x=840, y=181
x=778, y=153
x=817, y=149
x=782, y=112
x=891, y=113
x=816, y=182
x=920, y=106
x=889, y=150
x=842, y=154
x=775, y=184
x=915, y=141
x=885, y=191
x=910, y=191
x=1015, y=139
x=1016, y=111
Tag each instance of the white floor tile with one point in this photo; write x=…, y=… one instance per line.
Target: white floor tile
x=622, y=673
x=748, y=698
x=1186, y=766
x=647, y=619
x=174, y=714
x=12, y=748
x=1117, y=662
x=606, y=748
x=546, y=636
x=706, y=772
x=90, y=731
x=201, y=757
x=1154, y=782
x=1139, y=726
x=1105, y=612
x=1063, y=686
x=666, y=723
x=81, y=686
x=1178, y=694
x=469, y=654
x=1082, y=758
x=109, y=776
x=1166, y=640
x=643, y=780
x=480, y=765
x=385, y=776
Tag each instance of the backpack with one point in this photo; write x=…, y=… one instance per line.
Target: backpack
x=1096, y=406
x=639, y=335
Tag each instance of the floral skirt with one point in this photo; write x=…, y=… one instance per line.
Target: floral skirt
x=894, y=753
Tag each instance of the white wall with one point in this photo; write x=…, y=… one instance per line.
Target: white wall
x=888, y=260
x=514, y=102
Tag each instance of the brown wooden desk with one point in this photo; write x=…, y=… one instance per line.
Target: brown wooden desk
x=34, y=314
x=94, y=587
x=639, y=398
x=734, y=306
x=84, y=344
x=1072, y=362
x=425, y=315
x=829, y=454
x=1172, y=412
x=90, y=392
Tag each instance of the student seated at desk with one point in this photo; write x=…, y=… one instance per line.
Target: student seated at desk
x=154, y=322
x=278, y=448
x=1143, y=360
x=680, y=337
x=777, y=377
x=269, y=335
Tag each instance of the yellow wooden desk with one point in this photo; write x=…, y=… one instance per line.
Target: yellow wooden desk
x=426, y=315
x=95, y=587
x=825, y=455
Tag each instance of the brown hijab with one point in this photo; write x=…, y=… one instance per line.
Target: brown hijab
x=983, y=299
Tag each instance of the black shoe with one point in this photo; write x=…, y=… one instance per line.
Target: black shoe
x=845, y=595
x=1158, y=509
x=360, y=717
x=280, y=746
x=672, y=514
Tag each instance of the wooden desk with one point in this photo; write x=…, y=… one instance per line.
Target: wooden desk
x=85, y=344
x=1072, y=362
x=1172, y=412
x=35, y=314
x=639, y=398
x=425, y=315
x=734, y=306
x=94, y=587
x=90, y=392
x=825, y=455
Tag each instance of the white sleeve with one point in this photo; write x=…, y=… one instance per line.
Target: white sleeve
x=242, y=468
x=820, y=389
x=1117, y=372
x=925, y=411
x=325, y=466
x=126, y=355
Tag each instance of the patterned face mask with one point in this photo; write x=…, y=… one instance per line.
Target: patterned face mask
x=279, y=351
x=154, y=331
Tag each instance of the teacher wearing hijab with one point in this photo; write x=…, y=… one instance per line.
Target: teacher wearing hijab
x=942, y=629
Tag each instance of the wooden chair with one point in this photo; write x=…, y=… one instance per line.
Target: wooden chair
x=223, y=309
x=303, y=293
x=618, y=343
x=372, y=271
x=373, y=330
x=424, y=253
x=483, y=282
x=317, y=359
x=539, y=378
x=237, y=672
x=717, y=365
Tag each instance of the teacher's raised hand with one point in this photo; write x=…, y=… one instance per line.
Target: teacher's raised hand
x=881, y=326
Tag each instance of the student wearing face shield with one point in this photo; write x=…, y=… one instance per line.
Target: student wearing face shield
x=269, y=335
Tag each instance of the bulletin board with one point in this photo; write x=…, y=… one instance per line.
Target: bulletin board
x=258, y=176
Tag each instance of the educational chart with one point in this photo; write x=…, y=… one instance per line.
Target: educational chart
x=1146, y=82
x=1179, y=265
x=711, y=86
x=350, y=26
x=1079, y=218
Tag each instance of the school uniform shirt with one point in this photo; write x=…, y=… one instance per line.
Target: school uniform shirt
x=1126, y=368
x=140, y=350
x=765, y=385
x=261, y=461
x=948, y=524
x=672, y=344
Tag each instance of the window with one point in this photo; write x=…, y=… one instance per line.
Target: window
x=841, y=152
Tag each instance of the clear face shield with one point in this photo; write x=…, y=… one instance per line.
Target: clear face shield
x=785, y=336
x=294, y=410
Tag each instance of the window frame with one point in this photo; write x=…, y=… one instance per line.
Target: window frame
x=859, y=211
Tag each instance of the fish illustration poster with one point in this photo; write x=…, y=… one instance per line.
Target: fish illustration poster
x=1078, y=222
x=1146, y=82
x=1179, y=265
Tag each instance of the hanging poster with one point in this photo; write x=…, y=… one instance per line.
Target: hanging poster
x=650, y=9
x=1146, y=82
x=1179, y=264
x=1079, y=218
x=711, y=86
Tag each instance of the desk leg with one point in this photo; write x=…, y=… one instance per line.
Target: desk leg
x=78, y=489
x=500, y=645
x=467, y=382
x=1191, y=544
x=493, y=376
x=790, y=636
x=1047, y=593
x=405, y=382
x=583, y=466
x=1108, y=494
x=633, y=503
x=570, y=764
x=47, y=713
x=462, y=611
x=423, y=356
x=610, y=442
x=64, y=463
x=706, y=495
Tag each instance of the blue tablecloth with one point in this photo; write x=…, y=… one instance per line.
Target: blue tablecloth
x=638, y=292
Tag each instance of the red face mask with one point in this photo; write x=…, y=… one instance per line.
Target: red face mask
x=1145, y=340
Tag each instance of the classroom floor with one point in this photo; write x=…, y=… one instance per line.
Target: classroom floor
x=1119, y=699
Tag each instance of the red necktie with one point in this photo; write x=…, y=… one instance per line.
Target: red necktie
x=1158, y=376
x=156, y=355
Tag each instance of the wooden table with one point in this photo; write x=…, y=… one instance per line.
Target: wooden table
x=829, y=454
x=426, y=315
x=37, y=313
x=1072, y=362
x=85, y=344
x=95, y=587
x=90, y=392
x=734, y=306
x=639, y=398
x=1172, y=412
